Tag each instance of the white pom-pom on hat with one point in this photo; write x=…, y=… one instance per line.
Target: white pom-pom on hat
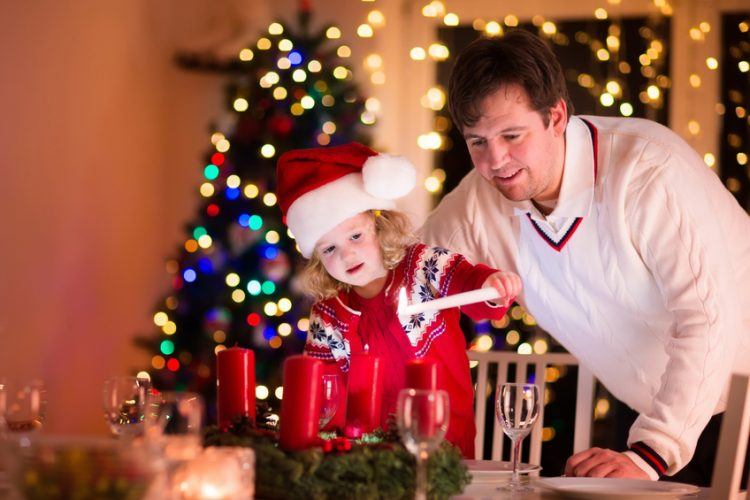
x=388, y=177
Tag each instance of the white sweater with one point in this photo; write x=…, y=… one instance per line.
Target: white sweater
x=650, y=288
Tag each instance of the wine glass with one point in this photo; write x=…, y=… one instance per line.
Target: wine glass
x=330, y=400
x=125, y=405
x=174, y=421
x=517, y=408
x=422, y=422
x=21, y=405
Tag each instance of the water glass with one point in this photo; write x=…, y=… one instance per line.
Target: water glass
x=422, y=422
x=517, y=406
x=22, y=405
x=330, y=399
x=124, y=405
x=174, y=421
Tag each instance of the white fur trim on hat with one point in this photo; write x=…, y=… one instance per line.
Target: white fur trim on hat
x=388, y=177
x=318, y=211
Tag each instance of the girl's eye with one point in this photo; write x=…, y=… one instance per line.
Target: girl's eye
x=356, y=236
x=328, y=250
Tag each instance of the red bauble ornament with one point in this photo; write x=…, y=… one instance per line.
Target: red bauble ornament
x=281, y=126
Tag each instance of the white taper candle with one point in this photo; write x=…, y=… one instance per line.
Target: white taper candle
x=459, y=299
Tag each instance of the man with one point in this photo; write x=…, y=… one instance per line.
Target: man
x=633, y=255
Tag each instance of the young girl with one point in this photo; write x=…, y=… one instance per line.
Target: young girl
x=338, y=202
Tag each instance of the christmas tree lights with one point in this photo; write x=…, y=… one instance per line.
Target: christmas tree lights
x=233, y=278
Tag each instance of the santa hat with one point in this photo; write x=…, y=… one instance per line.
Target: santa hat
x=320, y=188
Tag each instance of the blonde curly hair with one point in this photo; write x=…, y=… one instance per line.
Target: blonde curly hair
x=395, y=235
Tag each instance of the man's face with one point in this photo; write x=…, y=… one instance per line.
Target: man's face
x=513, y=150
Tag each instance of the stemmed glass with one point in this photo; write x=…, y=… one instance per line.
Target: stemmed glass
x=422, y=422
x=125, y=405
x=174, y=421
x=21, y=405
x=330, y=401
x=517, y=408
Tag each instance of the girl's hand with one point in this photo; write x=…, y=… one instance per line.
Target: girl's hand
x=508, y=285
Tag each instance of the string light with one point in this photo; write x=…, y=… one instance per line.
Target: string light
x=333, y=33
x=275, y=29
x=160, y=318
x=492, y=28
x=251, y=191
x=430, y=141
x=510, y=20
x=438, y=51
x=373, y=61
x=364, y=31
x=376, y=18
x=417, y=54
x=314, y=66
x=246, y=55
x=267, y=151
x=451, y=19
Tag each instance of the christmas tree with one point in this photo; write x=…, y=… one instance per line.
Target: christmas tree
x=233, y=279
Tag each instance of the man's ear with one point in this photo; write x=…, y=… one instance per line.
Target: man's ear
x=558, y=117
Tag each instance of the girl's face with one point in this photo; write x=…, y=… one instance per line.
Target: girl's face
x=351, y=254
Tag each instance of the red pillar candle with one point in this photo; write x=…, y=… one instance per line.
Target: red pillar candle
x=365, y=394
x=300, y=407
x=422, y=374
x=235, y=385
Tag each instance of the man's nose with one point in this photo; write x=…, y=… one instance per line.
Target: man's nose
x=497, y=154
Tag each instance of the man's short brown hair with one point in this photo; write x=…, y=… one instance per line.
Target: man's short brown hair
x=519, y=57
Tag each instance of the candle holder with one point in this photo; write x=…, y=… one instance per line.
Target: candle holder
x=226, y=473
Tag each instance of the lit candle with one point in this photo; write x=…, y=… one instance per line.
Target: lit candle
x=235, y=385
x=422, y=374
x=365, y=394
x=300, y=407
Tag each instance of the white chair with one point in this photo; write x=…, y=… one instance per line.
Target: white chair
x=733, y=437
x=503, y=359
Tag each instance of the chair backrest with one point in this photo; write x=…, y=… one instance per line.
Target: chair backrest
x=733, y=437
x=503, y=359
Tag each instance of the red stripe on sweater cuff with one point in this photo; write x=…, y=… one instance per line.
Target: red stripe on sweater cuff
x=650, y=456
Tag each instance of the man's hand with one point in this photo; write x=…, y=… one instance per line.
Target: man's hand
x=507, y=284
x=600, y=462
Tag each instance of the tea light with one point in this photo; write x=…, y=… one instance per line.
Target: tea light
x=218, y=473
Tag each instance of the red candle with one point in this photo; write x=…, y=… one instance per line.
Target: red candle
x=365, y=394
x=300, y=407
x=235, y=385
x=422, y=374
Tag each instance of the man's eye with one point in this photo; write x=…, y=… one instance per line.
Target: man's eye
x=476, y=143
x=511, y=137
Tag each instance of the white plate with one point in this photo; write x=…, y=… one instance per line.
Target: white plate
x=592, y=487
x=486, y=468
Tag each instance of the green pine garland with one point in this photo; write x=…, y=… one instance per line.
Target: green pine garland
x=378, y=467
